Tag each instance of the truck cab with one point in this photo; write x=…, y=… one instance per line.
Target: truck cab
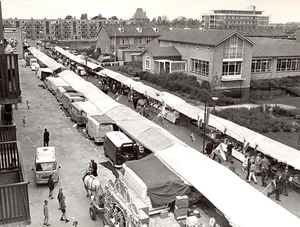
x=45, y=165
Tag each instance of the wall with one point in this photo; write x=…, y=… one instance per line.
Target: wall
x=103, y=41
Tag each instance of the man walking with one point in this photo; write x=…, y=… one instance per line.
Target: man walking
x=51, y=186
x=277, y=186
x=94, y=168
x=229, y=152
x=46, y=138
x=59, y=196
x=46, y=213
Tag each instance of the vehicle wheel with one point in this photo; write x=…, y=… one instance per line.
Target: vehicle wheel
x=92, y=213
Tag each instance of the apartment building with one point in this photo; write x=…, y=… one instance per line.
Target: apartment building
x=234, y=19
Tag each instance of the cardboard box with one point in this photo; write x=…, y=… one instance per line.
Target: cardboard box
x=182, y=201
x=163, y=214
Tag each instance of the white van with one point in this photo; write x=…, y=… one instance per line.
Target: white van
x=61, y=90
x=56, y=84
x=70, y=97
x=45, y=165
x=35, y=66
x=43, y=73
x=32, y=61
x=97, y=126
x=119, y=148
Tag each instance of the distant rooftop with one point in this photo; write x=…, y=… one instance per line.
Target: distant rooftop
x=139, y=15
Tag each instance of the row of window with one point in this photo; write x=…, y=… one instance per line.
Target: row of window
x=235, y=67
x=130, y=41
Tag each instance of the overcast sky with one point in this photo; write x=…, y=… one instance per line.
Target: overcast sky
x=281, y=11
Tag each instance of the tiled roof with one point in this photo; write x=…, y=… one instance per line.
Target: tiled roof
x=195, y=36
x=139, y=15
x=161, y=52
x=132, y=30
x=264, y=32
x=156, y=51
x=267, y=47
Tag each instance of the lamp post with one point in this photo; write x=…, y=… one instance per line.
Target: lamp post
x=204, y=121
x=215, y=100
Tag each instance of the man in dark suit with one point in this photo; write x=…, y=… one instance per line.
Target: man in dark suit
x=94, y=168
x=46, y=138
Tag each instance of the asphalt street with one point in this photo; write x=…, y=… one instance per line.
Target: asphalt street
x=74, y=151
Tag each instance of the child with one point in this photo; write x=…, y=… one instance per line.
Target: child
x=24, y=121
x=28, y=104
x=46, y=213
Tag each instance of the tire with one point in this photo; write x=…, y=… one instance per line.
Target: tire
x=92, y=213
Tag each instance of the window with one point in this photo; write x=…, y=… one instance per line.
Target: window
x=142, y=40
x=288, y=64
x=178, y=66
x=131, y=41
x=232, y=68
x=199, y=66
x=147, y=64
x=261, y=65
x=148, y=39
x=123, y=41
x=233, y=48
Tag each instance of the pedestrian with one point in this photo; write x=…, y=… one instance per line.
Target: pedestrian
x=46, y=138
x=51, y=186
x=63, y=209
x=75, y=224
x=59, y=196
x=263, y=176
x=252, y=173
x=248, y=168
x=245, y=163
x=94, y=168
x=285, y=181
x=266, y=164
x=24, y=121
x=277, y=185
x=27, y=104
x=209, y=148
x=258, y=163
x=229, y=152
x=46, y=213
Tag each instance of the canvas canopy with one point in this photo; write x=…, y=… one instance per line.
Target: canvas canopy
x=147, y=90
x=88, y=107
x=162, y=190
x=231, y=195
x=75, y=81
x=49, y=62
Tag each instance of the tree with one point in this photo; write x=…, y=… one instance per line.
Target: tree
x=114, y=18
x=83, y=16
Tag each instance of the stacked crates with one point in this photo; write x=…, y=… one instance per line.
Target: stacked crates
x=181, y=207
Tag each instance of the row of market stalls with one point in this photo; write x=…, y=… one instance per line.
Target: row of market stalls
x=176, y=107
x=234, y=197
x=45, y=59
x=261, y=143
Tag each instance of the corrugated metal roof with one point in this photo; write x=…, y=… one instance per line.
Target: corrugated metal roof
x=195, y=36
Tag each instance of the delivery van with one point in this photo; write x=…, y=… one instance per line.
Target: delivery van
x=79, y=111
x=45, y=165
x=61, y=90
x=43, y=73
x=119, y=148
x=57, y=83
x=70, y=97
x=98, y=125
x=32, y=60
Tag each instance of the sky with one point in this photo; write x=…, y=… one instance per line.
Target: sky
x=280, y=11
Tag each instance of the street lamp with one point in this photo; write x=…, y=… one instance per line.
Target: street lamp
x=204, y=121
x=215, y=100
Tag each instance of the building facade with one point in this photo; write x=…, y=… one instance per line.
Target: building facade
x=224, y=58
x=234, y=19
x=129, y=37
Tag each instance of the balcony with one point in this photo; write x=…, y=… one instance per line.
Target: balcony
x=14, y=198
x=10, y=91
